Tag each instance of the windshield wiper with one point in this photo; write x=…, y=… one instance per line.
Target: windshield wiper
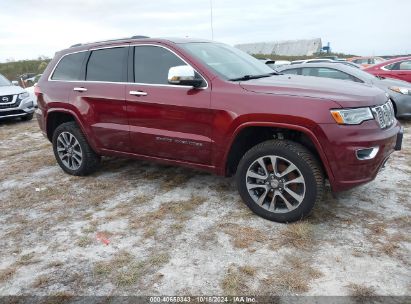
x=248, y=77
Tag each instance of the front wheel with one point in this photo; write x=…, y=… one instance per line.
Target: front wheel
x=280, y=180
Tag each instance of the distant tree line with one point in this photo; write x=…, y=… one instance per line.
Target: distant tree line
x=12, y=70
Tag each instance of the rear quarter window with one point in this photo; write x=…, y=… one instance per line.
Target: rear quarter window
x=68, y=68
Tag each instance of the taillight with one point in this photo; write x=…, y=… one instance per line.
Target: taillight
x=37, y=90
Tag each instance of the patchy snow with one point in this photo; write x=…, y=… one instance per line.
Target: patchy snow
x=53, y=226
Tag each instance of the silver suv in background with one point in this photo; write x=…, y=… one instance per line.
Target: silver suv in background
x=14, y=101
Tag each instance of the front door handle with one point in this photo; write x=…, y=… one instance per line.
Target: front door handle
x=138, y=93
x=80, y=89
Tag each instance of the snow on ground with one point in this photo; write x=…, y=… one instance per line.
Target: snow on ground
x=139, y=228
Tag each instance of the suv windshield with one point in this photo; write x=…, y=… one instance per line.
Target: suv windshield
x=229, y=62
x=4, y=81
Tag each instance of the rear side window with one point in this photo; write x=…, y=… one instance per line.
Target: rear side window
x=291, y=71
x=151, y=64
x=106, y=65
x=329, y=73
x=405, y=65
x=69, y=67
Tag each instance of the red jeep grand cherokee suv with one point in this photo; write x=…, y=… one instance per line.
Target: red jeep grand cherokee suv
x=209, y=106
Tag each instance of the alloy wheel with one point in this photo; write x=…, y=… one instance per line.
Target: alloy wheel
x=275, y=184
x=69, y=150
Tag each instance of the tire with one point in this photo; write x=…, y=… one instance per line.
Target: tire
x=69, y=140
x=274, y=197
x=27, y=117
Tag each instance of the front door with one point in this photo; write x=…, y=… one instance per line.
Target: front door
x=167, y=121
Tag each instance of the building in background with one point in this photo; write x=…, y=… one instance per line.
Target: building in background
x=303, y=47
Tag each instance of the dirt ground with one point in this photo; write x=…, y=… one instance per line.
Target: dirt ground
x=139, y=228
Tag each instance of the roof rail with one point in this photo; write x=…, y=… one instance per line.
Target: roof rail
x=139, y=37
x=110, y=40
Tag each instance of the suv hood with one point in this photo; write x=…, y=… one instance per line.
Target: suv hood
x=10, y=90
x=346, y=93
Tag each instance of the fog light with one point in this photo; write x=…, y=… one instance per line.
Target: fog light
x=368, y=153
x=29, y=104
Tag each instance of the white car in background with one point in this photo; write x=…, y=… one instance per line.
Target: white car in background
x=30, y=89
x=14, y=101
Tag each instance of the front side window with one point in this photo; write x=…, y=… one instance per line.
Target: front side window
x=106, y=65
x=152, y=63
x=227, y=61
x=69, y=67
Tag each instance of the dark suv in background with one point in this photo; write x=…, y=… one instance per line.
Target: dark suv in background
x=210, y=106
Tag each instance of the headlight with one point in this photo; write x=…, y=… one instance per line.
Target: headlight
x=23, y=95
x=400, y=90
x=352, y=116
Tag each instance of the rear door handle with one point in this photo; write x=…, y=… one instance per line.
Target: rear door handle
x=80, y=89
x=138, y=93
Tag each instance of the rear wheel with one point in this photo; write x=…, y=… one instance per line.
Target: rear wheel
x=280, y=180
x=72, y=151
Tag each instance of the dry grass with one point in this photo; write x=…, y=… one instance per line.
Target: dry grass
x=298, y=235
x=377, y=228
x=248, y=270
x=27, y=259
x=84, y=241
x=243, y=237
x=124, y=270
x=8, y=273
x=179, y=211
x=294, y=275
x=41, y=281
x=175, y=181
x=235, y=282
x=357, y=290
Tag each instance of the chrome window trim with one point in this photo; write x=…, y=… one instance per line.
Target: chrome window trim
x=58, y=62
x=136, y=83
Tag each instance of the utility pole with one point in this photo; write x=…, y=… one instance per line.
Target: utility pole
x=211, y=19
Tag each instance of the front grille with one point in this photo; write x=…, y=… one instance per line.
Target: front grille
x=13, y=112
x=384, y=115
x=10, y=106
x=6, y=99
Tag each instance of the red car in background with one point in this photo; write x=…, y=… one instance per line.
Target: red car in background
x=366, y=62
x=399, y=68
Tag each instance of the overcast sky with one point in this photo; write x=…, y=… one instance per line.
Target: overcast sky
x=29, y=29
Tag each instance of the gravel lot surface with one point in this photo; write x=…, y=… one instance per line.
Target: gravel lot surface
x=139, y=228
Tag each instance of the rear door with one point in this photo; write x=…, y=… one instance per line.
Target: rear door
x=167, y=121
x=402, y=70
x=101, y=97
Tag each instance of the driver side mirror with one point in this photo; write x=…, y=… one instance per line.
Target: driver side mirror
x=183, y=75
x=15, y=82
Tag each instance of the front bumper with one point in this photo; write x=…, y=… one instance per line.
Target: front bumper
x=341, y=143
x=17, y=108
